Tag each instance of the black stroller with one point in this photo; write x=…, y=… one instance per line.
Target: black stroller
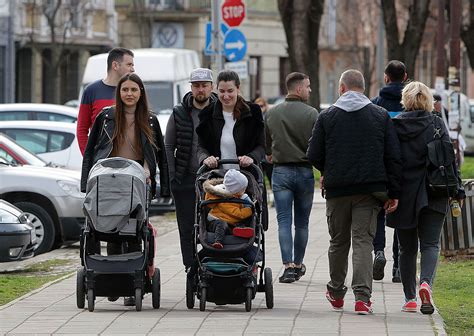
x=116, y=210
x=234, y=274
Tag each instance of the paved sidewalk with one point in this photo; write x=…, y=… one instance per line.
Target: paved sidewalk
x=300, y=307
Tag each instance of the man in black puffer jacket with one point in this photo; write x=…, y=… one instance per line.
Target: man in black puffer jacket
x=181, y=150
x=355, y=147
x=390, y=97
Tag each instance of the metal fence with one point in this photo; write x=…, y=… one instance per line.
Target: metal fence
x=457, y=237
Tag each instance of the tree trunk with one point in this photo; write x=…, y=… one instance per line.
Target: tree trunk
x=407, y=51
x=467, y=34
x=301, y=21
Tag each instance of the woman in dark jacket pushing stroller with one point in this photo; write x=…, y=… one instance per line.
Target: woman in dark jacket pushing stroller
x=420, y=214
x=131, y=131
x=232, y=129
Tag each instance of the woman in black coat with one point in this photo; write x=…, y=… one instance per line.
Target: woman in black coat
x=420, y=215
x=233, y=128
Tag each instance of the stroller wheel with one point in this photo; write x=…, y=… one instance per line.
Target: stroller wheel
x=248, y=299
x=90, y=300
x=268, y=287
x=80, y=290
x=156, y=289
x=138, y=299
x=202, y=302
x=190, y=298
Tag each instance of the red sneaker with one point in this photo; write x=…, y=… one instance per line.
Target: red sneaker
x=243, y=232
x=337, y=304
x=363, y=308
x=426, y=301
x=217, y=245
x=409, y=306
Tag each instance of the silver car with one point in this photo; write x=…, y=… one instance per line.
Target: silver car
x=50, y=198
x=17, y=234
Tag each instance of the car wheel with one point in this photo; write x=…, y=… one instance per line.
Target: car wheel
x=44, y=226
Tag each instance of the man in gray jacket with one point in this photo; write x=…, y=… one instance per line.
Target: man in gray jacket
x=287, y=129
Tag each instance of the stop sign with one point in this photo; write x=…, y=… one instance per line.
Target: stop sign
x=233, y=12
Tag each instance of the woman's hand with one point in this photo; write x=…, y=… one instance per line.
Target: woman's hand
x=211, y=161
x=245, y=160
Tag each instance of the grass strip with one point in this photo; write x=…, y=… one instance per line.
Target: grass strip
x=454, y=295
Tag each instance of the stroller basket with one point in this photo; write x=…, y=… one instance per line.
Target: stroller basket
x=115, y=199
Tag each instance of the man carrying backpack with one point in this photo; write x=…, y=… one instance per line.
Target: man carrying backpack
x=389, y=98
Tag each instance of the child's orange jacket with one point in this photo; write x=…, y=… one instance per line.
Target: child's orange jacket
x=232, y=213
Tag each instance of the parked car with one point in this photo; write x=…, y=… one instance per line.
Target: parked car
x=15, y=154
x=17, y=234
x=46, y=112
x=49, y=197
x=52, y=141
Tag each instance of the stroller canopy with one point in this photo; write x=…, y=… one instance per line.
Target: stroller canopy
x=116, y=196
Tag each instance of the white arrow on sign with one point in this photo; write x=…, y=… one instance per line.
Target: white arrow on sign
x=232, y=56
x=235, y=45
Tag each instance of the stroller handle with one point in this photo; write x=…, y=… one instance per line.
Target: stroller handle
x=252, y=166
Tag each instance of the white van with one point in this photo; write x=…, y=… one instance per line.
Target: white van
x=165, y=73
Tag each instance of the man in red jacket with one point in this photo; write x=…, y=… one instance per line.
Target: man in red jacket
x=101, y=93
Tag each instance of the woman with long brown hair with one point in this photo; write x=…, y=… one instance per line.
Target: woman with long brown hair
x=128, y=130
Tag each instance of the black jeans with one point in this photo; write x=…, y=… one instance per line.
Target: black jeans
x=120, y=248
x=379, y=240
x=184, y=199
x=427, y=233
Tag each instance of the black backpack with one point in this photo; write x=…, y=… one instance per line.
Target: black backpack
x=441, y=176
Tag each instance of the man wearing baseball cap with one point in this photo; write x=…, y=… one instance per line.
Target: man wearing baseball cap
x=181, y=148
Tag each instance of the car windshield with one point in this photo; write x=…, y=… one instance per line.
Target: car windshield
x=22, y=152
x=160, y=96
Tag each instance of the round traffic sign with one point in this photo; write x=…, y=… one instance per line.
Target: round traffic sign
x=235, y=45
x=233, y=12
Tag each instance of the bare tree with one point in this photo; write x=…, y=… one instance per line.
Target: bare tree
x=359, y=30
x=59, y=18
x=467, y=32
x=407, y=50
x=301, y=21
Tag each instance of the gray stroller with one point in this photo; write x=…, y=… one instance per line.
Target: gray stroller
x=116, y=210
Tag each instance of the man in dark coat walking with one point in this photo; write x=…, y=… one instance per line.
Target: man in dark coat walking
x=355, y=147
x=181, y=149
x=389, y=98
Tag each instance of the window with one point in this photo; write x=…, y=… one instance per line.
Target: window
x=7, y=157
x=54, y=117
x=40, y=141
x=471, y=109
x=160, y=96
x=14, y=115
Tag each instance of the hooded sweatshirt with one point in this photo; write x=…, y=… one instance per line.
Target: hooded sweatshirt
x=390, y=98
x=415, y=129
x=355, y=147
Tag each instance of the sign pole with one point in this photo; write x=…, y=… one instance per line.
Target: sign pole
x=453, y=72
x=216, y=36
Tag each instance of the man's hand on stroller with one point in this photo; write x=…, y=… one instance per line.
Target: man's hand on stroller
x=245, y=160
x=211, y=161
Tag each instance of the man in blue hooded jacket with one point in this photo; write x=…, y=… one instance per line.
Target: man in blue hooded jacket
x=389, y=98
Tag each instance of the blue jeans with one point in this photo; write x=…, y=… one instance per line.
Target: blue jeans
x=293, y=186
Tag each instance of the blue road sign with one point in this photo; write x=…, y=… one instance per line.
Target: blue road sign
x=208, y=49
x=235, y=45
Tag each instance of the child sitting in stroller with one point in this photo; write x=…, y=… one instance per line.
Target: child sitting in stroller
x=224, y=215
